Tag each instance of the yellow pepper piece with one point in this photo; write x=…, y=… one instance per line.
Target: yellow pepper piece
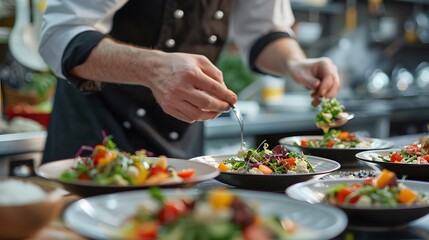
x=222, y=167
x=407, y=196
x=220, y=198
x=143, y=173
x=383, y=179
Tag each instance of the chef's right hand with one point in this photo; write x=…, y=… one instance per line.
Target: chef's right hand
x=190, y=88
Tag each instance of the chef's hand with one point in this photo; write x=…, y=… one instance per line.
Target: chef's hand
x=190, y=88
x=317, y=74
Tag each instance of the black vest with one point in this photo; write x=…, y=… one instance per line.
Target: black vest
x=130, y=113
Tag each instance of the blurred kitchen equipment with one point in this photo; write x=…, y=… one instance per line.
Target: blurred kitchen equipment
x=25, y=36
x=377, y=81
x=422, y=75
x=381, y=27
x=402, y=78
x=310, y=31
x=350, y=16
x=422, y=20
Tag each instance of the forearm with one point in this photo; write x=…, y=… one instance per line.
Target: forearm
x=111, y=61
x=276, y=57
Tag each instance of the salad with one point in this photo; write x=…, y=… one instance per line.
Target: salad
x=331, y=111
x=336, y=139
x=413, y=154
x=107, y=165
x=382, y=191
x=215, y=214
x=264, y=161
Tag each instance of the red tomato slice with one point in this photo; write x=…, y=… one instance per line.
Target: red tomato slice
x=304, y=143
x=170, y=211
x=396, y=157
x=84, y=176
x=289, y=161
x=341, y=195
x=186, y=173
x=157, y=169
x=330, y=143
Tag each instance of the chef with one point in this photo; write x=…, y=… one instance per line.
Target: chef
x=143, y=72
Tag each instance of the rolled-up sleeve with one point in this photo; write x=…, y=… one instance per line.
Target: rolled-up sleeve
x=256, y=23
x=64, y=20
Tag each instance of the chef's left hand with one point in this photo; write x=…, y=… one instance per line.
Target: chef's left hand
x=317, y=74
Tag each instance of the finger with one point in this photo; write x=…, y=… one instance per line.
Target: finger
x=211, y=70
x=203, y=100
x=217, y=90
x=187, y=112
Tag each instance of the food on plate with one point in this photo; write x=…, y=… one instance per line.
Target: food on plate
x=336, y=139
x=331, y=111
x=382, y=191
x=107, y=165
x=413, y=154
x=279, y=160
x=215, y=214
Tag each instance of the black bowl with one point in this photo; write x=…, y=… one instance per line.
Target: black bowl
x=345, y=156
x=402, y=170
x=274, y=183
x=364, y=217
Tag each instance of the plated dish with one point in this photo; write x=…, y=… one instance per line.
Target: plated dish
x=263, y=160
x=53, y=171
x=405, y=165
x=103, y=217
x=344, y=155
x=268, y=182
x=382, y=202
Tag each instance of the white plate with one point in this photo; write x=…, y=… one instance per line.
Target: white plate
x=99, y=217
x=277, y=182
x=53, y=170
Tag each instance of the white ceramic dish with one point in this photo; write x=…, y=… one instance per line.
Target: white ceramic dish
x=100, y=217
x=53, y=170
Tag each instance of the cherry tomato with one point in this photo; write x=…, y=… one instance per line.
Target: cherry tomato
x=304, y=143
x=290, y=162
x=84, y=176
x=170, y=211
x=330, y=143
x=186, y=173
x=396, y=157
x=154, y=170
x=341, y=195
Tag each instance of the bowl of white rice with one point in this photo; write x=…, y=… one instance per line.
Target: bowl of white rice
x=26, y=206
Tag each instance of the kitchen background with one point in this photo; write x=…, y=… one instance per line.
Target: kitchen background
x=381, y=49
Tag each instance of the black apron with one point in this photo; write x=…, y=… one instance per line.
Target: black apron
x=130, y=113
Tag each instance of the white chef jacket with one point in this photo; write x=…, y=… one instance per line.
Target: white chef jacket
x=63, y=20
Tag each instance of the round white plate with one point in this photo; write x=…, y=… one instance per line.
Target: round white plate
x=100, y=217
